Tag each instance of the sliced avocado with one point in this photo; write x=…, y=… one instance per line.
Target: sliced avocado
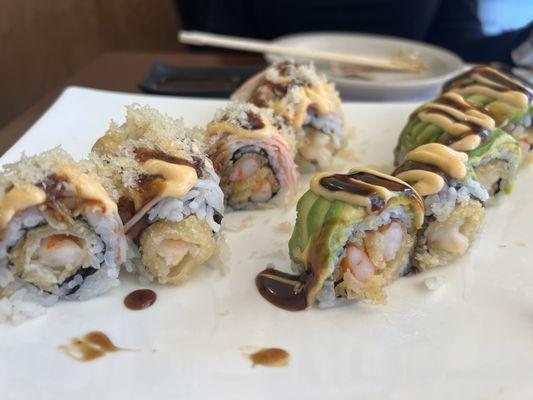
x=499, y=143
x=479, y=99
x=410, y=133
x=428, y=135
x=315, y=217
x=299, y=237
x=339, y=220
x=508, y=188
x=418, y=127
x=327, y=244
x=322, y=215
x=411, y=123
x=344, y=213
x=504, y=112
x=487, y=146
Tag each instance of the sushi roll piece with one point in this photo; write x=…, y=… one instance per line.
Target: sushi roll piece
x=501, y=96
x=306, y=102
x=493, y=154
x=353, y=236
x=61, y=235
x=453, y=198
x=254, y=158
x=167, y=192
x=496, y=163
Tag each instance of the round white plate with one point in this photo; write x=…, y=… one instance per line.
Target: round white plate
x=442, y=64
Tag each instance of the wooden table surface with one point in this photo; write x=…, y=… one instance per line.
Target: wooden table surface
x=118, y=71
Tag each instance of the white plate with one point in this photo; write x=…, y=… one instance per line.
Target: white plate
x=471, y=339
x=442, y=64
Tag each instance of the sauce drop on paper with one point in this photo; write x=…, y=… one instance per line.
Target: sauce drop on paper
x=140, y=299
x=284, y=290
x=270, y=357
x=89, y=347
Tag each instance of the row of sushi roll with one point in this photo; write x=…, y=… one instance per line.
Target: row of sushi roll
x=358, y=232
x=305, y=102
x=150, y=196
x=481, y=112
x=286, y=118
x=146, y=199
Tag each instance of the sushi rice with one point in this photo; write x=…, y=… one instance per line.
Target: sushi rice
x=20, y=299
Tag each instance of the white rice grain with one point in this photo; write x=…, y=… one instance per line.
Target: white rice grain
x=202, y=201
x=434, y=282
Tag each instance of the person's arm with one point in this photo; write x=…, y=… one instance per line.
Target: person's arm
x=495, y=48
x=456, y=26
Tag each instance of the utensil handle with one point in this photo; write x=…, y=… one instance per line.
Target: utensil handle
x=261, y=46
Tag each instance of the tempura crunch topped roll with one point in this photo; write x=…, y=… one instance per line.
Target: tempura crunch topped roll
x=60, y=232
x=306, y=102
x=167, y=191
x=254, y=158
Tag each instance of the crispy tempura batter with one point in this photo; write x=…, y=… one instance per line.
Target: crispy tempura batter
x=373, y=288
x=491, y=174
x=462, y=225
x=116, y=155
x=171, y=251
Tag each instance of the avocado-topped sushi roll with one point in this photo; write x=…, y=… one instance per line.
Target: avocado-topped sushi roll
x=496, y=163
x=306, y=102
x=167, y=192
x=451, y=120
x=254, y=158
x=60, y=235
x=453, y=200
x=354, y=235
x=505, y=99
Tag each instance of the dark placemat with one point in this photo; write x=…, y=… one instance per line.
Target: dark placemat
x=196, y=81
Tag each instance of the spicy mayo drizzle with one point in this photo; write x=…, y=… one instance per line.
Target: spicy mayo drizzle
x=430, y=165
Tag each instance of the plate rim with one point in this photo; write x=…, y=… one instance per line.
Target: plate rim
x=403, y=84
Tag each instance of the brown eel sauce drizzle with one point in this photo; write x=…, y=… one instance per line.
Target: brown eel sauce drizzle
x=149, y=185
x=452, y=102
x=507, y=84
x=254, y=120
x=140, y=299
x=286, y=291
x=345, y=183
x=89, y=347
x=61, y=204
x=349, y=183
x=126, y=211
x=271, y=357
x=143, y=155
x=411, y=165
x=473, y=127
x=389, y=184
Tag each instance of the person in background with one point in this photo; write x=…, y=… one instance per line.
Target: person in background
x=453, y=24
